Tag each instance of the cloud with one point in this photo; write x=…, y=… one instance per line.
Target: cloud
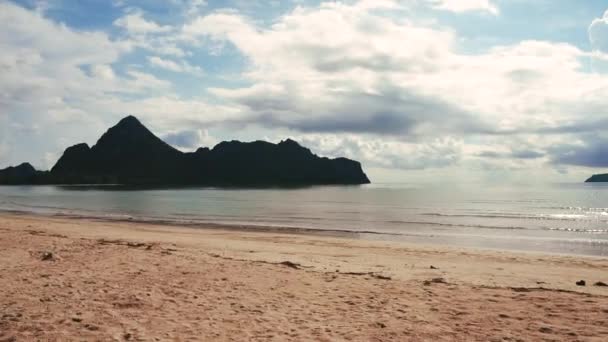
x=296, y=62
x=382, y=153
x=379, y=74
x=145, y=81
x=135, y=23
x=460, y=6
x=3, y=151
x=598, y=33
x=193, y=7
x=518, y=154
x=590, y=151
x=103, y=71
x=393, y=111
x=44, y=63
x=60, y=79
x=598, y=38
x=181, y=67
x=189, y=140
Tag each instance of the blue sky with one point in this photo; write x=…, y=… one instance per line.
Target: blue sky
x=415, y=90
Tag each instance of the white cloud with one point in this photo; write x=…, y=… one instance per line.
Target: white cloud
x=58, y=78
x=193, y=7
x=135, y=23
x=189, y=139
x=341, y=69
x=42, y=62
x=383, y=153
x=169, y=50
x=149, y=35
x=103, y=71
x=460, y=6
x=181, y=67
x=142, y=80
x=598, y=37
x=507, y=87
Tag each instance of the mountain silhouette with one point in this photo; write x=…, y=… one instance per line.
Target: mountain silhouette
x=598, y=178
x=130, y=154
x=22, y=174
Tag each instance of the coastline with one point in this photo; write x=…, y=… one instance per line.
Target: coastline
x=305, y=286
x=585, y=248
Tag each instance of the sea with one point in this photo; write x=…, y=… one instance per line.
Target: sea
x=548, y=218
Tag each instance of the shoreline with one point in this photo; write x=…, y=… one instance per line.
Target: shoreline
x=128, y=279
x=305, y=231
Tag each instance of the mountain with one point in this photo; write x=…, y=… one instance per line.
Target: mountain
x=598, y=178
x=127, y=153
x=130, y=154
x=22, y=174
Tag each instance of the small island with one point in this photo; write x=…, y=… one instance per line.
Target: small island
x=129, y=154
x=598, y=178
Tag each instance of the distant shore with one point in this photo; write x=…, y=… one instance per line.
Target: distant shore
x=65, y=278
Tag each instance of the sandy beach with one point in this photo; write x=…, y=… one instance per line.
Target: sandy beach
x=64, y=279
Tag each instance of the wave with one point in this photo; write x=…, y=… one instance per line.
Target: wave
x=20, y=205
x=556, y=217
x=443, y=224
x=579, y=230
x=332, y=223
x=584, y=209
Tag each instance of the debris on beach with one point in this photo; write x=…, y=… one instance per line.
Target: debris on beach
x=434, y=281
x=381, y=277
x=380, y=325
x=47, y=256
x=291, y=264
x=131, y=244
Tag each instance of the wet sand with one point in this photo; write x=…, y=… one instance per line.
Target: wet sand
x=80, y=279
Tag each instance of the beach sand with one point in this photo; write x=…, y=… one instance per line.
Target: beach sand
x=64, y=279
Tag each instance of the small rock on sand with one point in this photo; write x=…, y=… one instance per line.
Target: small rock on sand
x=47, y=256
x=434, y=281
x=91, y=327
x=600, y=283
x=581, y=283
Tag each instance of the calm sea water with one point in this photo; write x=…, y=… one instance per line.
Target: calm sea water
x=560, y=218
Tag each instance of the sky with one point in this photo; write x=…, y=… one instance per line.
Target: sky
x=417, y=90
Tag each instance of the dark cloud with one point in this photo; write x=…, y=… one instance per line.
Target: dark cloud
x=490, y=154
x=527, y=154
x=594, y=153
x=391, y=111
x=517, y=154
x=583, y=126
x=382, y=123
